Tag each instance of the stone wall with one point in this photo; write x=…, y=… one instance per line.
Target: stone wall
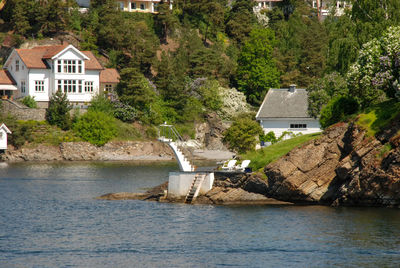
x=22, y=112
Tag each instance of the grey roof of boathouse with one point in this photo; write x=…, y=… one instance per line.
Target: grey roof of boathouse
x=284, y=103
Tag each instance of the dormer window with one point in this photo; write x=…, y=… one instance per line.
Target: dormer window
x=16, y=65
x=70, y=66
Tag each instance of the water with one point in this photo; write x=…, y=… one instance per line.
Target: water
x=48, y=218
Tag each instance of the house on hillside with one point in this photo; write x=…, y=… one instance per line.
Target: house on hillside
x=285, y=109
x=40, y=71
x=267, y=4
x=4, y=131
x=146, y=6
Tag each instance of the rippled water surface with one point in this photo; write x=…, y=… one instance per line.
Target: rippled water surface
x=49, y=218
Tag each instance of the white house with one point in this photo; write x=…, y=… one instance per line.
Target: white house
x=285, y=109
x=4, y=131
x=41, y=71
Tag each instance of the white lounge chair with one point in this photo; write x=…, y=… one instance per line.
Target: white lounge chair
x=230, y=165
x=243, y=166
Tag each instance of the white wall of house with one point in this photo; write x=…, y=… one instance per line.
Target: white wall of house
x=35, y=76
x=19, y=76
x=280, y=125
x=3, y=139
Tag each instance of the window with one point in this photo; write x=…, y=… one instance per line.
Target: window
x=142, y=7
x=16, y=65
x=59, y=66
x=69, y=66
x=121, y=5
x=108, y=87
x=23, y=86
x=298, y=126
x=88, y=86
x=39, y=86
x=133, y=5
x=80, y=66
x=70, y=86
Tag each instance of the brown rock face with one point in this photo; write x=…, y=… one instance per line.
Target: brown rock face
x=343, y=167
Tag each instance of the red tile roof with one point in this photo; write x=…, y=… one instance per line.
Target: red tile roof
x=92, y=63
x=34, y=57
x=6, y=78
x=109, y=75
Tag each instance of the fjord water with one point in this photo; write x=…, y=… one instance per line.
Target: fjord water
x=49, y=218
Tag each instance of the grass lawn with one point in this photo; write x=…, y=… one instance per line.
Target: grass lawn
x=261, y=158
x=375, y=118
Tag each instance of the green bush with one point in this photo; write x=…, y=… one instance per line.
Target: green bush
x=100, y=103
x=96, y=127
x=242, y=135
x=58, y=111
x=124, y=112
x=269, y=137
x=29, y=101
x=337, y=110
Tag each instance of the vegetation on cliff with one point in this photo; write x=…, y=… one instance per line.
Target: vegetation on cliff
x=162, y=57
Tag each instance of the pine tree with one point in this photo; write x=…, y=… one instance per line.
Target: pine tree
x=58, y=111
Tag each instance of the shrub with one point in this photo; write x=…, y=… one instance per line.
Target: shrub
x=337, y=110
x=29, y=101
x=58, y=111
x=100, y=103
x=269, y=137
x=241, y=136
x=124, y=112
x=96, y=127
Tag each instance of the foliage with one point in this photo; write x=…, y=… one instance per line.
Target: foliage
x=29, y=102
x=127, y=131
x=41, y=18
x=100, y=103
x=261, y=158
x=269, y=137
x=58, y=111
x=124, y=112
x=21, y=131
x=337, y=109
x=134, y=89
x=96, y=127
x=375, y=118
x=242, y=135
x=377, y=69
x=323, y=90
x=256, y=71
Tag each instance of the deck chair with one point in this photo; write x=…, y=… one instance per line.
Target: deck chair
x=230, y=165
x=243, y=166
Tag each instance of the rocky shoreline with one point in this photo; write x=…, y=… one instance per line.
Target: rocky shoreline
x=344, y=167
x=112, y=151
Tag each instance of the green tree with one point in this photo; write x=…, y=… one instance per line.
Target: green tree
x=58, y=111
x=323, y=90
x=134, y=89
x=240, y=20
x=96, y=127
x=256, y=71
x=337, y=110
x=242, y=135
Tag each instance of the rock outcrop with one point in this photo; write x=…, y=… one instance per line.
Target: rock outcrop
x=84, y=151
x=343, y=167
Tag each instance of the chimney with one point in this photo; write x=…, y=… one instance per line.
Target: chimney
x=292, y=88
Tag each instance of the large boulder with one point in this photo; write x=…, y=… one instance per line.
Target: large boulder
x=343, y=167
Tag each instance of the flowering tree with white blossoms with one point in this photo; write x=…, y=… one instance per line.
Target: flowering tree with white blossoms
x=377, y=69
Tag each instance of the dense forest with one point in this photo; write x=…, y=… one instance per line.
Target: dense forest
x=173, y=63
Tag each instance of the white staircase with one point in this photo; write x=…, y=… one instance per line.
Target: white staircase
x=170, y=136
x=195, y=188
